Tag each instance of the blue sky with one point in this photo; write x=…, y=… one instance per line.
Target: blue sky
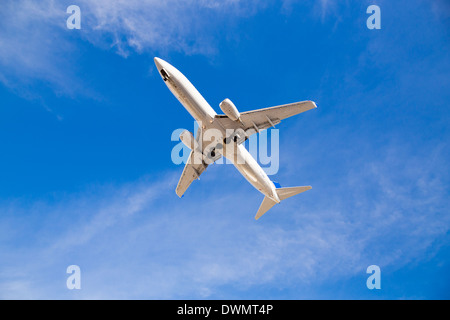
x=87, y=178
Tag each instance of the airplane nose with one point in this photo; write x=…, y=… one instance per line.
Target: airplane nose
x=163, y=68
x=159, y=63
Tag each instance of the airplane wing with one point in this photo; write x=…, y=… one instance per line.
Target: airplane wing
x=267, y=117
x=192, y=171
x=261, y=119
x=251, y=122
x=196, y=165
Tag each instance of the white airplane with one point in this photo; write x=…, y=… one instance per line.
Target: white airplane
x=229, y=132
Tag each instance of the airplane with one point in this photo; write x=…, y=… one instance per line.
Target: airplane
x=230, y=131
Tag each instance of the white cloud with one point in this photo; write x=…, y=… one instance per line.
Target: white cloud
x=36, y=45
x=30, y=44
x=173, y=25
x=141, y=241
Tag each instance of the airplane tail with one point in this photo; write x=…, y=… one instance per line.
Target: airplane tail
x=283, y=193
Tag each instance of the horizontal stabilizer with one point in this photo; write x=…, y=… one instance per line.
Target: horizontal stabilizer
x=284, y=193
x=265, y=206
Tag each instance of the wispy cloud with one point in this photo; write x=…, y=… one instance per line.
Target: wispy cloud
x=320, y=9
x=441, y=8
x=35, y=44
x=370, y=204
x=140, y=241
x=174, y=25
x=31, y=45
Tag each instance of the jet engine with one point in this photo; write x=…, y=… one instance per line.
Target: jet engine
x=188, y=139
x=230, y=110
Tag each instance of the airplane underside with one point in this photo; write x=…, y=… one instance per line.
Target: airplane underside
x=224, y=135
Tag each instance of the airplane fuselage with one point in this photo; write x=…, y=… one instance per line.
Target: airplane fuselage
x=205, y=115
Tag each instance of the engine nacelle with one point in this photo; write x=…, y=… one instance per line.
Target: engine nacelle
x=230, y=110
x=188, y=139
